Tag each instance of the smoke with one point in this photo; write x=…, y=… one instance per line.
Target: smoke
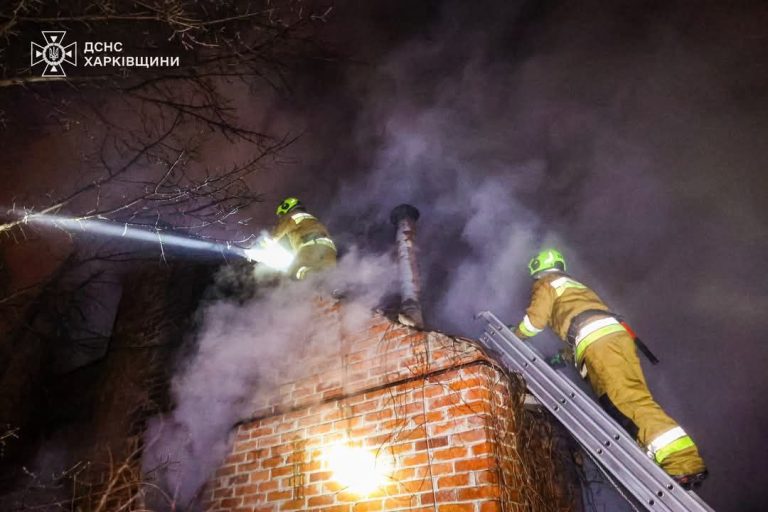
x=245, y=347
x=628, y=135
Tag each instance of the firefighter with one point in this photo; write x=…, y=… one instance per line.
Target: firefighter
x=604, y=353
x=307, y=238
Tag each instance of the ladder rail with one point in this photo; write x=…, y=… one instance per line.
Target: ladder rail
x=597, y=432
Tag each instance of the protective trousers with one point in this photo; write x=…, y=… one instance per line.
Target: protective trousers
x=313, y=258
x=614, y=371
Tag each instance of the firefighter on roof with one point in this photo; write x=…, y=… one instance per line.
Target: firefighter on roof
x=604, y=353
x=307, y=237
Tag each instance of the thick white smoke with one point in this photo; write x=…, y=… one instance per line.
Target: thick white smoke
x=242, y=350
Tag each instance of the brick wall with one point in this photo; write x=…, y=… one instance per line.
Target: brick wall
x=448, y=425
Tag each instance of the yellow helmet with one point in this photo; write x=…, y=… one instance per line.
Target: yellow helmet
x=288, y=204
x=548, y=259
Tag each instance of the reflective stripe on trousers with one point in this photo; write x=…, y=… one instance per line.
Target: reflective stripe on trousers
x=592, y=332
x=671, y=441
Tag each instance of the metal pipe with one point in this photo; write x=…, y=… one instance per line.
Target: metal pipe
x=404, y=217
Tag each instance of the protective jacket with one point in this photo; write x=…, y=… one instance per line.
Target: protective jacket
x=309, y=240
x=605, y=353
x=556, y=300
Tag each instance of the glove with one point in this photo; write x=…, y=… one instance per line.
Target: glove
x=516, y=332
x=563, y=357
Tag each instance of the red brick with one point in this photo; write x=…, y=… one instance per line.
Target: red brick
x=332, y=486
x=245, y=446
x=357, y=433
x=323, y=428
x=379, y=415
x=467, y=383
x=369, y=506
x=473, y=464
x=238, y=479
x=442, y=496
x=415, y=460
x=242, y=490
x=266, y=441
x=466, y=409
x=487, y=477
x=320, y=500
x=369, y=406
x=403, y=474
x=260, y=431
x=235, y=458
x=430, y=390
x=432, y=443
x=482, y=448
x=223, y=492
x=293, y=505
x=281, y=471
x=347, y=497
x=433, y=416
x=230, y=503
x=258, y=476
x=461, y=507
x=469, y=436
x=435, y=469
x=225, y=471
x=320, y=476
x=334, y=393
x=279, y=495
x=478, y=394
x=444, y=401
x=252, y=499
x=272, y=462
x=399, y=501
x=267, y=486
x=452, y=481
x=455, y=452
x=475, y=493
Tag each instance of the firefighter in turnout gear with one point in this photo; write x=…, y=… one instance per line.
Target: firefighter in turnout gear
x=604, y=352
x=307, y=237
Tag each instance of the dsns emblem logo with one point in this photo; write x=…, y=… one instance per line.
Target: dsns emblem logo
x=54, y=54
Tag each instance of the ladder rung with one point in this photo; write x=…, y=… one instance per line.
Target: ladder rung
x=597, y=432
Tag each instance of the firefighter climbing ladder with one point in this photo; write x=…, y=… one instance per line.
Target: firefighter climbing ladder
x=607, y=443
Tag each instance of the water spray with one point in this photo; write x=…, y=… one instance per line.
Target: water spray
x=265, y=250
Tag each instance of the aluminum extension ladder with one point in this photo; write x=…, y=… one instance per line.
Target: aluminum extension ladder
x=607, y=443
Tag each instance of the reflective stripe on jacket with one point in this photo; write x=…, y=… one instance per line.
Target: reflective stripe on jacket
x=301, y=229
x=555, y=299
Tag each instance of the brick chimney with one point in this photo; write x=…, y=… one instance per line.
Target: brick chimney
x=444, y=427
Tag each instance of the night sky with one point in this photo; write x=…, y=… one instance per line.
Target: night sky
x=632, y=135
